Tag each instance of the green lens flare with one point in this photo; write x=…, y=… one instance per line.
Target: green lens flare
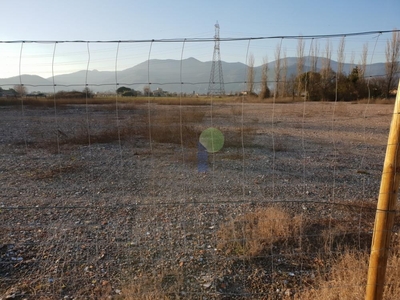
x=212, y=139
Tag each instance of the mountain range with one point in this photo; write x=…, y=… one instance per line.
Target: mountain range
x=167, y=75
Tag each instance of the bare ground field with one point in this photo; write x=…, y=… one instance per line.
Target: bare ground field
x=105, y=203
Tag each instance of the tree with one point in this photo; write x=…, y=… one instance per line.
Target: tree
x=356, y=84
x=88, y=92
x=352, y=57
x=392, y=65
x=277, y=68
x=284, y=75
x=341, y=55
x=314, y=56
x=364, y=57
x=307, y=80
x=310, y=85
x=121, y=90
x=250, y=75
x=376, y=86
x=291, y=85
x=342, y=86
x=326, y=72
x=265, y=92
x=20, y=89
x=146, y=90
x=300, y=62
x=126, y=92
x=358, y=87
x=131, y=93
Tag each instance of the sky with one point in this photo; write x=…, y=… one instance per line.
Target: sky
x=49, y=21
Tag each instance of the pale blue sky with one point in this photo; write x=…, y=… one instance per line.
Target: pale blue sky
x=56, y=20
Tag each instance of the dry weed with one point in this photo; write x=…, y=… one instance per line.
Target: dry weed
x=252, y=233
x=347, y=278
x=345, y=281
x=181, y=101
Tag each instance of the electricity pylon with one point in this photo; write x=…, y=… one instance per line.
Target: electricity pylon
x=216, y=83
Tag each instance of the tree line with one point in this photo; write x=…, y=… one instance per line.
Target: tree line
x=325, y=83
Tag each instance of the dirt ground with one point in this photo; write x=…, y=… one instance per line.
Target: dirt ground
x=96, y=199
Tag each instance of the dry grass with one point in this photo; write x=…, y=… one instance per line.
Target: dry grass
x=252, y=233
x=176, y=116
x=167, y=126
x=348, y=278
x=284, y=100
x=376, y=101
x=176, y=127
x=164, y=124
x=203, y=101
x=187, y=101
x=339, y=276
x=195, y=101
x=49, y=101
x=256, y=99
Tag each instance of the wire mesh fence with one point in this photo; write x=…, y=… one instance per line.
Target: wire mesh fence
x=117, y=196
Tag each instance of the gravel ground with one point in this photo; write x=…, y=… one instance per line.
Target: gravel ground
x=80, y=219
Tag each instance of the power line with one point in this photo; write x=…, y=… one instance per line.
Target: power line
x=193, y=40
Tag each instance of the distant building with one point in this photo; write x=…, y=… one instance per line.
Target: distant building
x=8, y=93
x=159, y=92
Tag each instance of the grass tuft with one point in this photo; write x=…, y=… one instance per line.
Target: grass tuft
x=252, y=233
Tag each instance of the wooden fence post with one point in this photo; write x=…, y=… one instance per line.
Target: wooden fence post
x=386, y=210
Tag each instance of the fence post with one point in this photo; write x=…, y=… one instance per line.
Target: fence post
x=386, y=209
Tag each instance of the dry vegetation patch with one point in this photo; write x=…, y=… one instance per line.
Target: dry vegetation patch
x=255, y=232
x=348, y=277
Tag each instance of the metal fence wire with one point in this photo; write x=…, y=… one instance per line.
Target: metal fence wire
x=173, y=193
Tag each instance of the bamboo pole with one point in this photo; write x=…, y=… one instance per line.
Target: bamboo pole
x=385, y=211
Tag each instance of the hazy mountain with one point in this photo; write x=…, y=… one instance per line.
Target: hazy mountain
x=32, y=83
x=166, y=74
x=79, y=78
